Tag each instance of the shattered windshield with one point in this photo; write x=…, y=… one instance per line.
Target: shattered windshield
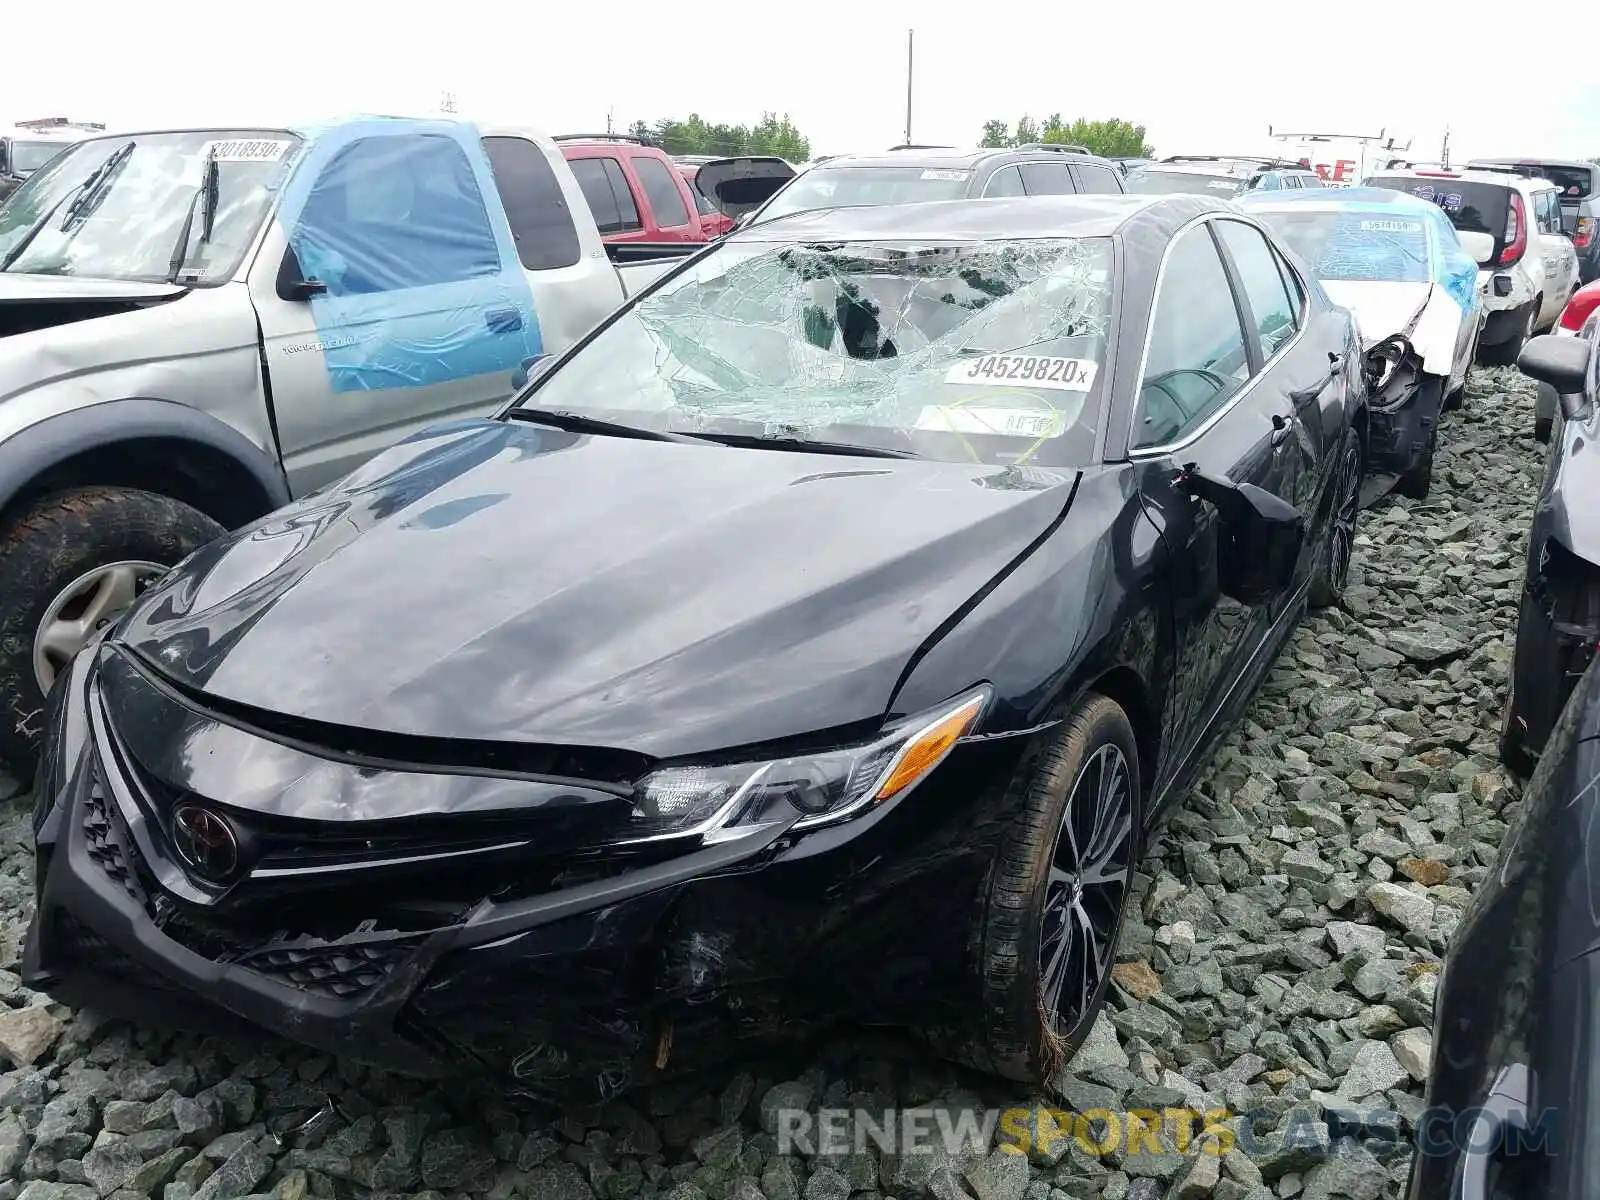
x=70, y=218
x=1149, y=181
x=1357, y=246
x=960, y=350
x=852, y=187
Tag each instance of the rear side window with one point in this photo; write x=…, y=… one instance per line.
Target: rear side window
x=1097, y=179
x=1047, y=179
x=606, y=189
x=535, y=206
x=1472, y=207
x=1572, y=183
x=661, y=190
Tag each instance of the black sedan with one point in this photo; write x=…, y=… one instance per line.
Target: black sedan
x=1559, y=620
x=1512, y=1086
x=817, y=639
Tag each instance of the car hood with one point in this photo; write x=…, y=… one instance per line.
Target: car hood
x=46, y=288
x=506, y=582
x=1381, y=308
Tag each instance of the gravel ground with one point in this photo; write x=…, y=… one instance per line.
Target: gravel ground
x=1282, y=964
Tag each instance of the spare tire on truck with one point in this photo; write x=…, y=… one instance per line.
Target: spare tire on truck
x=69, y=566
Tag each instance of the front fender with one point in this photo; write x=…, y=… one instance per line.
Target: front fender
x=31, y=451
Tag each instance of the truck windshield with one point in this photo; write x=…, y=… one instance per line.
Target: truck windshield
x=1365, y=246
x=852, y=187
x=1150, y=181
x=28, y=157
x=70, y=218
x=970, y=351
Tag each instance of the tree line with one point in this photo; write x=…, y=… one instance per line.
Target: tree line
x=772, y=135
x=1113, y=137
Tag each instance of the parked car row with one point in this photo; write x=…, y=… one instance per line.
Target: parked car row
x=577, y=739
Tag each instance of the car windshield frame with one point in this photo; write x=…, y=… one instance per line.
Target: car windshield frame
x=1414, y=248
x=130, y=231
x=799, y=193
x=876, y=343
x=1197, y=183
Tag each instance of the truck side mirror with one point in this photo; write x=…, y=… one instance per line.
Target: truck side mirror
x=292, y=284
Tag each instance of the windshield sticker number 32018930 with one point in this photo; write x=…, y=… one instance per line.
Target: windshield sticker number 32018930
x=1025, y=370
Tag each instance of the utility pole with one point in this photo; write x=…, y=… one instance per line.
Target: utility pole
x=447, y=103
x=910, y=57
x=1444, y=150
x=609, y=113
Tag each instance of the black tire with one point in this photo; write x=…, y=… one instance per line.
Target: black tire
x=1332, y=570
x=54, y=543
x=1504, y=354
x=1012, y=1035
x=1542, y=429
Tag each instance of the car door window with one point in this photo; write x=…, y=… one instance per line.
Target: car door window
x=1196, y=358
x=1272, y=308
x=535, y=208
x=1047, y=179
x=628, y=211
x=1005, y=182
x=662, y=192
x=591, y=173
x=1097, y=179
x=373, y=219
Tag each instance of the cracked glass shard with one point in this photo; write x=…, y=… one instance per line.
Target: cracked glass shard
x=923, y=344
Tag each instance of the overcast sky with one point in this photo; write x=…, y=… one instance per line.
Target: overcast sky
x=1200, y=81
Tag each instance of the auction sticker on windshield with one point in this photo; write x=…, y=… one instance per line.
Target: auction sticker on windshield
x=1008, y=422
x=1384, y=225
x=248, y=150
x=1025, y=370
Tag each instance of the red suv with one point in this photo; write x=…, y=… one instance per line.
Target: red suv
x=635, y=191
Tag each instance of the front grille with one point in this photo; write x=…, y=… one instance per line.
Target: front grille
x=342, y=972
x=107, y=841
x=76, y=941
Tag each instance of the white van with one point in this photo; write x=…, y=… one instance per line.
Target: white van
x=1527, y=264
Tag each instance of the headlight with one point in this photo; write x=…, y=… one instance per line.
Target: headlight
x=825, y=787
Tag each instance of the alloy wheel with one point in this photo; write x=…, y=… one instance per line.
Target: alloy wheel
x=1091, y=872
x=1344, y=518
x=81, y=609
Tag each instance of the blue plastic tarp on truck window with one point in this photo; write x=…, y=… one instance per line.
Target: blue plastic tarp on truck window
x=401, y=222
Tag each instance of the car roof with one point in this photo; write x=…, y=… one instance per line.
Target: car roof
x=1355, y=199
x=1503, y=178
x=1518, y=160
x=950, y=157
x=1018, y=218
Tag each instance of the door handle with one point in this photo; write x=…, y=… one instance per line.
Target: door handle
x=503, y=320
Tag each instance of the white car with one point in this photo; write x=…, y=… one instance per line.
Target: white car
x=1511, y=225
x=1398, y=265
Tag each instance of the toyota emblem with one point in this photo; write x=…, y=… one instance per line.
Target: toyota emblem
x=205, y=842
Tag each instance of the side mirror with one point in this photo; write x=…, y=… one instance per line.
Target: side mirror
x=291, y=284
x=530, y=370
x=1563, y=364
x=1479, y=245
x=1262, y=537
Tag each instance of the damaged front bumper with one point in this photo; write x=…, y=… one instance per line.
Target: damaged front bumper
x=1405, y=404
x=571, y=985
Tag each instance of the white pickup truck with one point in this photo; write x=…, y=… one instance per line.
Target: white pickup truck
x=198, y=326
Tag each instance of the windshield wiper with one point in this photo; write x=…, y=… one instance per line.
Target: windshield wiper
x=81, y=191
x=783, y=441
x=95, y=188
x=579, y=423
x=206, y=198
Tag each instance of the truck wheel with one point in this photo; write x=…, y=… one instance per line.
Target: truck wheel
x=1045, y=932
x=70, y=566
